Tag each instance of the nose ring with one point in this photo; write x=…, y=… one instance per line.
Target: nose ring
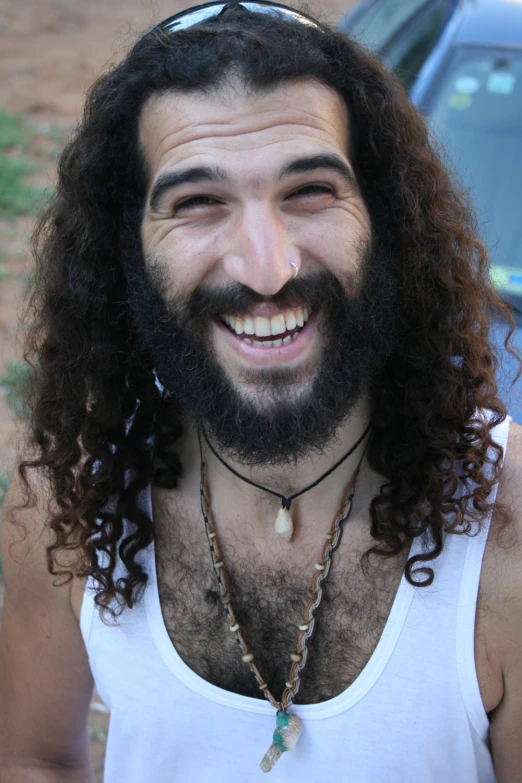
x=296, y=270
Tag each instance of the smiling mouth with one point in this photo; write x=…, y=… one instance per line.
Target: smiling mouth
x=261, y=332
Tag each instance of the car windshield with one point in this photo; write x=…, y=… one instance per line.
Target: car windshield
x=377, y=24
x=476, y=110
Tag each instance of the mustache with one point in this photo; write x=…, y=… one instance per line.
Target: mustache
x=236, y=298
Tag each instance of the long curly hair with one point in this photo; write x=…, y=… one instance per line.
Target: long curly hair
x=99, y=425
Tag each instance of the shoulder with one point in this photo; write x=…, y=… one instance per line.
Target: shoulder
x=45, y=671
x=502, y=572
x=501, y=615
x=503, y=553
x=25, y=536
x=510, y=486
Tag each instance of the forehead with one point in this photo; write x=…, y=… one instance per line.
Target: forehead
x=238, y=128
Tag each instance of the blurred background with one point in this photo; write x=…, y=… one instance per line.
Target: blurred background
x=460, y=61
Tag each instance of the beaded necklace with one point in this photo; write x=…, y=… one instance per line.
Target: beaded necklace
x=288, y=726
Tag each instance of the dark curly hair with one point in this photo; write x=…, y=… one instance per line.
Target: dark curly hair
x=95, y=407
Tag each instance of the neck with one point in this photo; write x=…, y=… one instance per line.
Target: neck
x=312, y=509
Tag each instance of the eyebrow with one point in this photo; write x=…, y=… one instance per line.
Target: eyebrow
x=174, y=179
x=332, y=162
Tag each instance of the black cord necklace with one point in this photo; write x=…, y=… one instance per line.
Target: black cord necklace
x=283, y=524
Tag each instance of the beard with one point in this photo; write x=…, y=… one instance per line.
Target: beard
x=283, y=415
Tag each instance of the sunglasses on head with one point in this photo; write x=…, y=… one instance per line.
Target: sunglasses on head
x=202, y=13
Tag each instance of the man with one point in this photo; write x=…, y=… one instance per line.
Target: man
x=261, y=322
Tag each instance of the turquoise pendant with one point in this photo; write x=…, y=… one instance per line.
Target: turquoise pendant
x=288, y=731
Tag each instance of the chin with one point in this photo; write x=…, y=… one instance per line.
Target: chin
x=270, y=390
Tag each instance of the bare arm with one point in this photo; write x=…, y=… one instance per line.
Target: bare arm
x=45, y=679
x=506, y=720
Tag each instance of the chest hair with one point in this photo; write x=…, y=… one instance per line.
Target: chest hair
x=268, y=602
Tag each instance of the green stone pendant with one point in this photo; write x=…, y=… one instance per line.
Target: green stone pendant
x=288, y=731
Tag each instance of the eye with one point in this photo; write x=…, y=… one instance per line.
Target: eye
x=313, y=190
x=194, y=202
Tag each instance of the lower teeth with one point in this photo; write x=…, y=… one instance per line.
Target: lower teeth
x=271, y=343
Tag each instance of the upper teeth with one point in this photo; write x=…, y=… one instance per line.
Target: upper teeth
x=264, y=327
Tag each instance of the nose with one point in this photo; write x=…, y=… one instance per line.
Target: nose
x=261, y=251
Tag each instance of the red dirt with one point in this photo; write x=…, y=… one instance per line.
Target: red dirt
x=50, y=52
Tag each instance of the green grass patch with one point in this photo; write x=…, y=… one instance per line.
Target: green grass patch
x=4, y=483
x=12, y=380
x=17, y=197
x=14, y=133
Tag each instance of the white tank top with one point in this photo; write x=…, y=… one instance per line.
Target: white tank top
x=413, y=715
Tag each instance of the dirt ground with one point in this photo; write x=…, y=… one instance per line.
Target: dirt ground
x=50, y=52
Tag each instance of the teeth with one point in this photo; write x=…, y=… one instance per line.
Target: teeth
x=290, y=321
x=277, y=343
x=265, y=327
x=278, y=324
x=287, y=339
x=262, y=326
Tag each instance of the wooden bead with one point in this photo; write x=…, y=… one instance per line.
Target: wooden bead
x=296, y=657
x=304, y=627
x=219, y=564
x=320, y=566
x=290, y=684
x=263, y=687
x=234, y=628
x=225, y=599
x=212, y=534
x=329, y=537
x=247, y=658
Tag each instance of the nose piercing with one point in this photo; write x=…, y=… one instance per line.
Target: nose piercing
x=296, y=270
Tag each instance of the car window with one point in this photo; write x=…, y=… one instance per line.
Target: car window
x=476, y=110
x=378, y=24
x=410, y=48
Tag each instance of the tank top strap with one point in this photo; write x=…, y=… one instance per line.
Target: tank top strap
x=467, y=607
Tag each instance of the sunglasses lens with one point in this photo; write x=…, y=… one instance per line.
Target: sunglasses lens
x=193, y=17
x=279, y=11
x=201, y=14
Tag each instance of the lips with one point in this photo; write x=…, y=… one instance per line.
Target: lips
x=260, y=331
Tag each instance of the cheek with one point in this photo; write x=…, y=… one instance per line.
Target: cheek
x=337, y=244
x=186, y=262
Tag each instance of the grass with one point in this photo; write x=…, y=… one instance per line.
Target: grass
x=14, y=133
x=12, y=380
x=4, y=483
x=17, y=197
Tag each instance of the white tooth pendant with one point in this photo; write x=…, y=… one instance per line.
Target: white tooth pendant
x=283, y=524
